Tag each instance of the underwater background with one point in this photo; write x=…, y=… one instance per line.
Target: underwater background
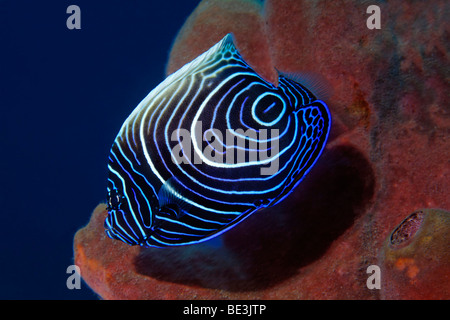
x=63, y=96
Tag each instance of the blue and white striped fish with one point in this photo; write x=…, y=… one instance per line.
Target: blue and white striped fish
x=167, y=185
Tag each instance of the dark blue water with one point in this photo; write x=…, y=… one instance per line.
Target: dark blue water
x=63, y=96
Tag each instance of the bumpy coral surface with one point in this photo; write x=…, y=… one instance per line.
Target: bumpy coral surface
x=415, y=258
x=388, y=156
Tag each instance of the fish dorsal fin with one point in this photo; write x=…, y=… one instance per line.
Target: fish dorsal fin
x=216, y=52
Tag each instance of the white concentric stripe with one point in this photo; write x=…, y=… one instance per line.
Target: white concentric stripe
x=148, y=109
x=191, y=68
x=205, y=220
x=196, y=119
x=288, y=92
x=183, y=224
x=276, y=119
x=127, y=197
x=169, y=121
x=181, y=233
x=241, y=218
x=135, y=171
x=232, y=104
x=154, y=137
x=171, y=174
x=118, y=226
x=187, y=69
x=252, y=191
x=145, y=196
x=241, y=191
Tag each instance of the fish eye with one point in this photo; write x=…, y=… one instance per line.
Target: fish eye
x=114, y=200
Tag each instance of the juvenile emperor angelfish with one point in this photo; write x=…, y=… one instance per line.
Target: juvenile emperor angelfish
x=210, y=145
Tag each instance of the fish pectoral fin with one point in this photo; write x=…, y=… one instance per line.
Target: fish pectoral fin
x=171, y=200
x=171, y=211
